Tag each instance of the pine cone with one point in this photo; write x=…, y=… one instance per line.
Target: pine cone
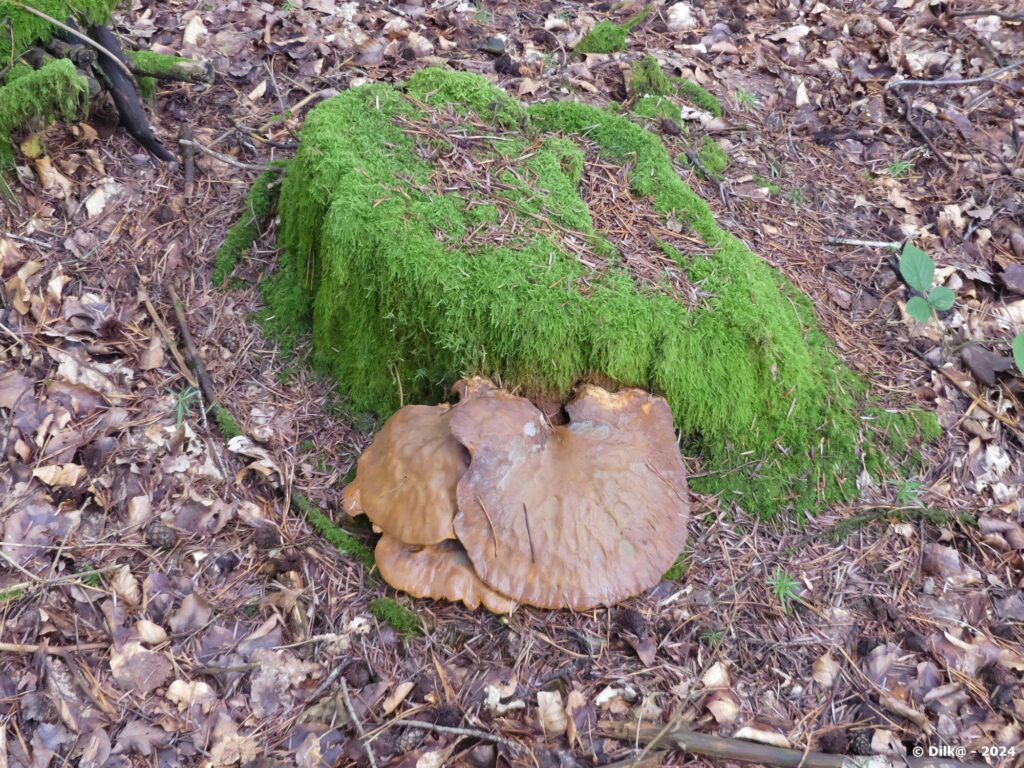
x=160, y=536
x=408, y=739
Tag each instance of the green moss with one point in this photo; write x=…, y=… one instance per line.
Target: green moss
x=647, y=79
x=14, y=593
x=259, y=204
x=711, y=159
x=372, y=261
x=154, y=63
x=398, y=617
x=55, y=89
x=699, y=97
x=226, y=422
x=605, y=37
x=344, y=542
x=147, y=88
x=22, y=29
x=675, y=573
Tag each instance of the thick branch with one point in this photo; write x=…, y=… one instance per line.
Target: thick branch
x=175, y=68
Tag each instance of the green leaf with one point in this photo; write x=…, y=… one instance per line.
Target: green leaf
x=919, y=309
x=1018, y=351
x=917, y=268
x=941, y=298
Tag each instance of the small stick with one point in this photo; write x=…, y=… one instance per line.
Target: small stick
x=526, y=516
x=989, y=12
x=359, y=726
x=892, y=244
x=908, y=115
x=73, y=32
x=169, y=339
x=202, y=377
x=953, y=83
x=56, y=650
x=188, y=158
x=227, y=159
x=490, y=522
x=469, y=733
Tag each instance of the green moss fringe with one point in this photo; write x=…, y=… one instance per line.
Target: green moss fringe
x=55, y=89
x=22, y=30
x=259, y=205
x=368, y=260
x=398, y=617
x=345, y=542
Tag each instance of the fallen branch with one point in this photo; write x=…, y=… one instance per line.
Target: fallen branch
x=126, y=97
x=908, y=115
x=957, y=82
x=172, y=68
x=674, y=736
x=988, y=12
x=56, y=650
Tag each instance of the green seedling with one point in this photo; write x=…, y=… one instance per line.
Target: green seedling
x=784, y=586
x=712, y=637
x=900, y=167
x=745, y=99
x=183, y=403
x=918, y=269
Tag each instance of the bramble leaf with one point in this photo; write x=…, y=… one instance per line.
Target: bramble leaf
x=917, y=268
x=919, y=309
x=941, y=298
x=1018, y=351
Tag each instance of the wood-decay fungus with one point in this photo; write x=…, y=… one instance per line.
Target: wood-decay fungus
x=489, y=503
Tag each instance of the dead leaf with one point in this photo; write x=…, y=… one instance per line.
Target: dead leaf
x=825, y=670
x=792, y=35
x=397, y=696
x=13, y=387
x=138, y=670
x=763, y=734
x=60, y=475
x=551, y=713
x=153, y=356
x=723, y=706
x=125, y=586
x=187, y=694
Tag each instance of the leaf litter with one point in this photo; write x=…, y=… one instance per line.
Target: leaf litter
x=163, y=604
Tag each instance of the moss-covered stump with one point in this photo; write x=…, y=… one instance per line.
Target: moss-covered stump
x=442, y=230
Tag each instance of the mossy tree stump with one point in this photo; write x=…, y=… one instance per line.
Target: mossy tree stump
x=442, y=229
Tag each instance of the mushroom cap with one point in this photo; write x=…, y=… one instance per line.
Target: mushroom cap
x=439, y=571
x=406, y=479
x=571, y=516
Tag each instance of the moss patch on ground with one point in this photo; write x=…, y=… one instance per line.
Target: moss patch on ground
x=397, y=616
x=410, y=280
x=608, y=37
x=648, y=83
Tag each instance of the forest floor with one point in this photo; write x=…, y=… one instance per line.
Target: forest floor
x=164, y=604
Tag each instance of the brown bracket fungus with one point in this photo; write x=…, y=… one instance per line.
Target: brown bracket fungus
x=570, y=516
x=439, y=571
x=405, y=480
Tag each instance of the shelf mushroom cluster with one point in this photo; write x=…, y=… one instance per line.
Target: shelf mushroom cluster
x=489, y=502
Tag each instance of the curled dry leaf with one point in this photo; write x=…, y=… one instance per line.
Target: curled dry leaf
x=716, y=677
x=150, y=633
x=397, y=696
x=825, y=671
x=551, y=712
x=125, y=586
x=723, y=706
x=189, y=694
x=137, y=670
x=763, y=734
